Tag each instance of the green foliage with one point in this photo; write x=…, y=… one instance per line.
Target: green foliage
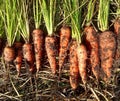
x=103, y=14
x=10, y=17
x=48, y=8
x=90, y=12
x=74, y=8
x=24, y=21
x=37, y=13
x=118, y=8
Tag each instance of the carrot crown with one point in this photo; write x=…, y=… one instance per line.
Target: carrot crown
x=37, y=13
x=10, y=17
x=90, y=12
x=24, y=21
x=103, y=14
x=48, y=8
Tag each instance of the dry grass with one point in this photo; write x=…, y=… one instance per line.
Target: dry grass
x=47, y=87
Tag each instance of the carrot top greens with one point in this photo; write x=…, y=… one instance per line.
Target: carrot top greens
x=37, y=13
x=48, y=8
x=103, y=14
x=24, y=21
x=90, y=12
x=11, y=18
x=1, y=20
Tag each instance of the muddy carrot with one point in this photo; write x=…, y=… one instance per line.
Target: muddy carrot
x=93, y=49
x=82, y=57
x=51, y=52
x=107, y=44
x=117, y=32
x=9, y=54
x=74, y=69
x=107, y=41
x=19, y=56
x=48, y=9
x=65, y=34
x=10, y=27
x=29, y=56
x=38, y=46
x=117, y=27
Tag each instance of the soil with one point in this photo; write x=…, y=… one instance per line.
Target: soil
x=47, y=87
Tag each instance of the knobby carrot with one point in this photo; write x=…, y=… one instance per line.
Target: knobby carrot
x=38, y=46
x=65, y=33
x=74, y=70
x=51, y=52
x=93, y=49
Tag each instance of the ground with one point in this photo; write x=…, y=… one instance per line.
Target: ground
x=47, y=87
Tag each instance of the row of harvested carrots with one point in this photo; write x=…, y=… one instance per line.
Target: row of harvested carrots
x=96, y=51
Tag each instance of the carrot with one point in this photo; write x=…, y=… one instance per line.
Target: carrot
x=19, y=56
x=82, y=57
x=1, y=44
x=38, y=46
x=51, y=52
x=9, y=54
x=76, y=25
x=117, y=32
x=92, y=47
x=48, y=9
x=28, y=56
x=92, y=41
x=65, y=34
x=117, y=27
x=107, y=45
x=24, y=27
x=107, y=41
x=74, y=70
x=11, y=24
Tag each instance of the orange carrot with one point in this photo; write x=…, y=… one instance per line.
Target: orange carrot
x=51, y=52
x=0, y=44
x=107, y=45
x=117, y=32
x=9, y=54
x=74, y=70
x=38, y=46
x=19, y=56
x=117, y=27
x=65, y=34
x=82, y=57
x=28, y=56
x=92, y=47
